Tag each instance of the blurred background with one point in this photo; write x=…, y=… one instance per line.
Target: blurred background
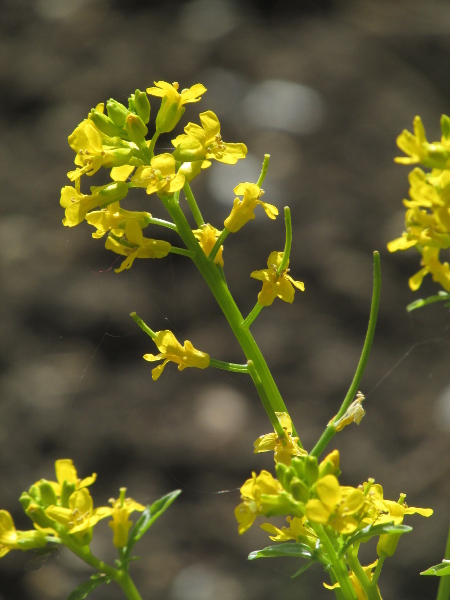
x=325, y=87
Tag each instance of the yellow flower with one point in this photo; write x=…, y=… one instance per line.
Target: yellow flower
x=172, y=104
x=207, y=236
x=134, y=245
x=113, y=218
x=419, y=150
x=66, y=473
x=93, y=153
x=439, y=271
x=11, y=539
x=205, y=142
x=80, y=516
x=121, y=510
x=284, y=448
x=254, y=495
x=242, y=211
x=77, y=205
x=360, y=593
x=160, y=176
x=335, y=505
x=276, y=285
x=297, y=531
x=171, y=350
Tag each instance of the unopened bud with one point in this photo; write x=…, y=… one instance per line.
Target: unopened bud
x=104, y=124
x=142, y=106
x=189, y=150
x=136, y=129
x=117, y=112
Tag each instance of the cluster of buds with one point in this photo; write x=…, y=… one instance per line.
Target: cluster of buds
x=427, y=220
x=318, y=508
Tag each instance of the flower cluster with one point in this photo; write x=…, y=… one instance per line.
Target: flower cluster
x=427, y=220
x=319, y=509
x=63, y=511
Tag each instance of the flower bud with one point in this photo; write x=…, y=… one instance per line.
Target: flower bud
x=190, y=170
x=311, y=470
x=25, y=500
x=168, y=115
x=47, y=494
x=136, y=129
x=38, y=516
x=330, y=465
x=299, y=490
x=189, y=150
x=117, y=112
x=113, y=192
x=445, y=126
x=387, y=544
x=104, y=124
x=142, y=106
x=117, y=157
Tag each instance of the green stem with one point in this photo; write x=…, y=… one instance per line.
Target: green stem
x=264, y=169
x=162, y=223
x=265, y=400
x=252, y=315
x=193, y=205
x=220, y=240
x=226, y=302
x=145, y=328
x=370, y=590
x=444, y=582
x=182, y=251
x=127, y=585
x=287, y=246
x=339, y=569
x=227, y=366
x=377, y=572
x=153, y=143
x=330, y=431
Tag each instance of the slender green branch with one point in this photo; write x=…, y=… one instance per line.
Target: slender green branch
x=339, y=569
x=145, y=328
x=264, y=169
x=271, y=397
x=252, y=315
x=153, y=143
x=370, y=590
x=444, y=583
x=127, y=585
x=220, y=240
x=162, y=223
x=330, y=431
x=182, y=251
x=193, y=205
x=227, y=366
x=287, y=246
x=265, y=400
x=377, y=572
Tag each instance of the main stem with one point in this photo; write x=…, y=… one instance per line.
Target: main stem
x=226, y=302
x=444, y=583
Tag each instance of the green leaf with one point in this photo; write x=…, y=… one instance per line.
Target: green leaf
x=83, y=590
x=439, y=297
x=372, y=530
x=149, y=516
x=302, y=569
x=439, y=570
x=290, y=549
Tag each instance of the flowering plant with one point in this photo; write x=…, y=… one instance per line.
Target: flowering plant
x=327, y=521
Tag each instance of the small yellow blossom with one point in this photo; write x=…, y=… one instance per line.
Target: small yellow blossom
x=335, y=505
x=207, y=236
x=284, y=448
x=171, y=350
x=66, y=473
x=205, y=142
x=160, y=176
x=360, y=593
x=274, y=285
x=80, y=516
x=134, y=245
x=440, y=272
x=93, y=153
x=113, y=218
x=253, y=502
x=297, y=530
x=121, y=524
x=77, y=205
x=242, y=211
x=11, y=539
x=419, y=150
x=172, y=104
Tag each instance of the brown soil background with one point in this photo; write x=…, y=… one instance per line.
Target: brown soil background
x=73, y=383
